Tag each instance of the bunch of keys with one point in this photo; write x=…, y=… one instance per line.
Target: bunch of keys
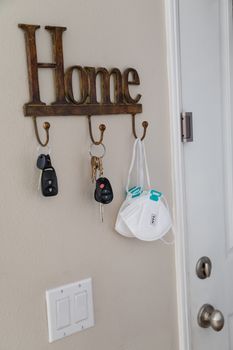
x=48, y=177
x=103, y=189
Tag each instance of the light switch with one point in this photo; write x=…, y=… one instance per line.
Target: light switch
x=80, y=307
x=63, y=313
x=69, y=309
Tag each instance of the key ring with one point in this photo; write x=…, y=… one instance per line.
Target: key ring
x=103, y=150
x=44, y=150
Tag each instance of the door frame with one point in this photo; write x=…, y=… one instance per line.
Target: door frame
x=177, y=155
x=177, y=166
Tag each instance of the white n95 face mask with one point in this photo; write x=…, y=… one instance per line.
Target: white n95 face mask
x=120, y=226
x=144, y=214
x=147, y=219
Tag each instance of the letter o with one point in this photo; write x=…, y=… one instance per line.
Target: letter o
x=83, y=78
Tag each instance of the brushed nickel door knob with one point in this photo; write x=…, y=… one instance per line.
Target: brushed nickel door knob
x=208, y=316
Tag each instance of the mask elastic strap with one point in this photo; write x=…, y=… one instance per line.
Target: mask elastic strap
x=145, y=164
x=138, y=168
x=139, y=154
x=172, y=230
x=132, y=164
x=169, y=242
x=141, y=165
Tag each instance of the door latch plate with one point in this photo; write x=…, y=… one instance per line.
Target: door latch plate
x=186, y=120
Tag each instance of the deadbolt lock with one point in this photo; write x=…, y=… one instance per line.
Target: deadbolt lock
x=204, y=267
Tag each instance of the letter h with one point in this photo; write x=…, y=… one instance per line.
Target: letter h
x=33, y=64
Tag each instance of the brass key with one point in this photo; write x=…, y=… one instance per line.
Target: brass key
x=100, y=167
x=96, y=165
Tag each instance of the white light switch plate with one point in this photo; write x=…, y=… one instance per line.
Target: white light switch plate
x=69, y=309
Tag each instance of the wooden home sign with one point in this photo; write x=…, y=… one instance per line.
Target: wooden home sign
x=65, y=102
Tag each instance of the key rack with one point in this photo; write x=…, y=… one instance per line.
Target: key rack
x=66, y=104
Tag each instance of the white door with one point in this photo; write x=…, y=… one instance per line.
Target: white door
x=206, y=40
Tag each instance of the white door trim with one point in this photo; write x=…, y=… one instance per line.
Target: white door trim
x=178, y=178
x=226, y=51
x=177, y=157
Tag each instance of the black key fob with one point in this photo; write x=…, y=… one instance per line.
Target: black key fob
x=49, y=185
x=43, y=161
x=103, y=191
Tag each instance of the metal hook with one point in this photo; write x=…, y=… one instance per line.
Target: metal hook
x=102, y=128
x=46, y=126
x=144, y=124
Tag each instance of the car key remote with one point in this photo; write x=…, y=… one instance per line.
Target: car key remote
x=103, y=191
x=49, y=184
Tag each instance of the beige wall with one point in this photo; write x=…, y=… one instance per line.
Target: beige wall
x=49, y=242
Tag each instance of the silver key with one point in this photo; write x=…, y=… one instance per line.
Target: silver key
x=101, y=212
x=39, y=183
